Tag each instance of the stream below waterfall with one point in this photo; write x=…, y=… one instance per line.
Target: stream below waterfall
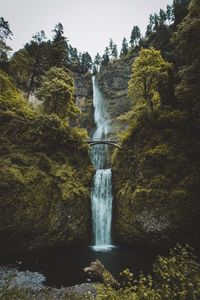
x=64, y=266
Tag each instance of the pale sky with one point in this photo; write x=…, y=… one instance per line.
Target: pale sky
x=88, y=24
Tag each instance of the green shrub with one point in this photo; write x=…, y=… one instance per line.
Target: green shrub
x=176, y=277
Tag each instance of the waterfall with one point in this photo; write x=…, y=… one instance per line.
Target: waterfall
x=101, y=195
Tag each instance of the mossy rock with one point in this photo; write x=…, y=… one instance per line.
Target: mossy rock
x=156, y=180
x=45, y=180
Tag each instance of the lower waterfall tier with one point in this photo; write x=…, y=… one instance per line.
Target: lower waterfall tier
x=102, y=207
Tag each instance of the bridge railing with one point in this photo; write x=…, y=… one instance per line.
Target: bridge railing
x=102, y=140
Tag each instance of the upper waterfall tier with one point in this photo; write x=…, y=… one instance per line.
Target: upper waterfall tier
x=99, y=152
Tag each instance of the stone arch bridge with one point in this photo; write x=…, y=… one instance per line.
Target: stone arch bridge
x=105, y=141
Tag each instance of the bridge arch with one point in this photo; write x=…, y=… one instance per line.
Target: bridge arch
x=93, y=142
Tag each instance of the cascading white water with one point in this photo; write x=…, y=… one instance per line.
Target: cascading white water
x=101, y=195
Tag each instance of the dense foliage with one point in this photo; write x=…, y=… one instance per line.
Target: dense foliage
x=176, y=277
x=57, y=93
x=45, y=176
x=149, y=69
x=157, y=195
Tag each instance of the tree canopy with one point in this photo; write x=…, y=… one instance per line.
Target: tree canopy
x=56, y=92
x=135, y=36
x=148, y=70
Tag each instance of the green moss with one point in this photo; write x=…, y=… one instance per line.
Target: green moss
x=45, y=179
x=156, y=181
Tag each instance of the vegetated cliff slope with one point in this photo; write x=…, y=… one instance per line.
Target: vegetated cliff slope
x=83, y=94
x=113, y=83
x=45, y=178
x=156, y=180
x=156, y=173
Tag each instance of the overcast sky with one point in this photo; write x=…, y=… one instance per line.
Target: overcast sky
x=88, y=24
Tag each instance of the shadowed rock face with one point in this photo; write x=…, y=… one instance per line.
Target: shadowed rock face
x=84, y=95
x=45, y=179
x=113, y=82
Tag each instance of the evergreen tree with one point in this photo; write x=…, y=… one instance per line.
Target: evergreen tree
x=40, y=52
x=94, y=70
x=151, y=22
x=114, y=52
x=162, y=17
x=135, y=36
x=169, y=14
x=111, y=43
x=5, y=33
x=105, y=58
x=180, y=10
x=73, y=53
x=156, y=22
x=97, y=61
x=124, y=49
x=60, y=49
x=86, y=62
x=21, y=65
x=150, y=26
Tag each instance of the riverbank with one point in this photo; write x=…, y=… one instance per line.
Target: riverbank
x=15, y=284
x=175, y=276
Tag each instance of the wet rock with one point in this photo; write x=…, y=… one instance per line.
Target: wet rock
x=98, y=272
x=113, y=82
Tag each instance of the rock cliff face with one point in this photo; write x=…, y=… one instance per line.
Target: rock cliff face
x=113, y=82
x=84, y=95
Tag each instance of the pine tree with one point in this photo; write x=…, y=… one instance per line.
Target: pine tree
x=111, y=43
x=86, y=62
x=73, y=53
x=156, y=22
x=21, y=66
x=5, y=33
x=39, y=50
x=114, y=51
x=124, y=49
x=60, y=49
x=94, y=70
x=162, y=17
x=97, y=61
x=169, y=14
x=180, y=10
x=135, y=36
x=105, y=58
